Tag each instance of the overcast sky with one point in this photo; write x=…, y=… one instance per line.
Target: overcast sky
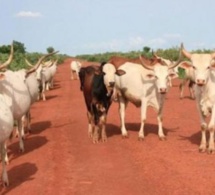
x=95, y=26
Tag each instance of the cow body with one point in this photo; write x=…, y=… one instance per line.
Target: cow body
x=97, y=101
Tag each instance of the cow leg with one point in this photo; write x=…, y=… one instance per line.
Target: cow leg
x=191, y=89
x=6, y=156
x=122, y=107
x=143, y=119
x=72, y=75
x=211, y=126
x=181, y=88
x=160, y=125
x=52, y=83
x=90, y=127
x=28, y=117
x=202, y=147
x=103, y=127
x=96, y=134
x=77, y=75
x=23, y=119
x=47, y=86
x=4, y=171
x=21, y=142
x=43, y=91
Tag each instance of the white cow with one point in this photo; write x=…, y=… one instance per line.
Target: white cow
x=45, y=75
x=75, y=68
x=6, y=128
x=17, y=95
x=53, y=69
x=204, y=92
x=143, y=86
x=6, y=124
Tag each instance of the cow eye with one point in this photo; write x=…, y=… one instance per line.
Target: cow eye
x=194, y=67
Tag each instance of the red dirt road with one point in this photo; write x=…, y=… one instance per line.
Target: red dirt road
x=60, y=159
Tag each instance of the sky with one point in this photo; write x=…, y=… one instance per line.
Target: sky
x=76, y=27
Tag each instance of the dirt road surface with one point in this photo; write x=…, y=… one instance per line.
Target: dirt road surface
x=60, y=159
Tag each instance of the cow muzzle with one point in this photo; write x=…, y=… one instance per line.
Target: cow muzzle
x=162, y=90
x=200, y=82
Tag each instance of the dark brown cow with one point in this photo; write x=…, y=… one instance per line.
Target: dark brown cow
x=97, y=100
x=118, y=60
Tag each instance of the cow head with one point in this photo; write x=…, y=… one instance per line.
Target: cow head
x=109, y=72
x=37, y=67
x=161, y=72
x=201, y=64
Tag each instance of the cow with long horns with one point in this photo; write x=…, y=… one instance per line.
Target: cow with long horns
x=144, y=86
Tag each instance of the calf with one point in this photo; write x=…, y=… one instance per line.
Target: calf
x=97, y=99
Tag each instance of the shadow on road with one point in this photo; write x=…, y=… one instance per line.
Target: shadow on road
x=18, y=175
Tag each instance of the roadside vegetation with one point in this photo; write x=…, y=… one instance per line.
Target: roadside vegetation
x=20, y=54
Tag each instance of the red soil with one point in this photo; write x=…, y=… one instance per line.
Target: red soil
x=59, y=157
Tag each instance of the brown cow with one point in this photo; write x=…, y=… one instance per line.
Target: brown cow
x=97, y=99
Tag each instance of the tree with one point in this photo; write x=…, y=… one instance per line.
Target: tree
x=146, y=49
x=19, y=47
x=50, y=49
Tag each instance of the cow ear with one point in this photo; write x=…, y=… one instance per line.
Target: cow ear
x=120, y=72
x=97, y=72
x=185, y=64
x=2, y=76
x=172, y=75
x=150, y=76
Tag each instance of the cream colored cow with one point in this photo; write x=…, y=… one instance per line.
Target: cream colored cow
x=204, y=77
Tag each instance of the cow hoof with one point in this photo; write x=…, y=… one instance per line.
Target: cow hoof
x=162, y=138
x=124, y=136
x=140, y=138
x=211, y=151
x=104, y=139
x=95, y=141
x=21, y=150
x=202, y=150
x=5, y=184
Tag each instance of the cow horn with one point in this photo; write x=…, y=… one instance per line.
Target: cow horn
x=5, y=64
x=34, y=68
x=144, y=64
x=155, y=55
x=28, y=63
x=178, y=61
x=185, y=52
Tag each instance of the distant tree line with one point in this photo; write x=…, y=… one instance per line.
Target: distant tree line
x=171, y=54
x=20, y=54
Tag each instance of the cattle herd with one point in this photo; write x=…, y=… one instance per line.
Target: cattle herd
x=145, y=82
x=141, y=81
x=19, y=90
